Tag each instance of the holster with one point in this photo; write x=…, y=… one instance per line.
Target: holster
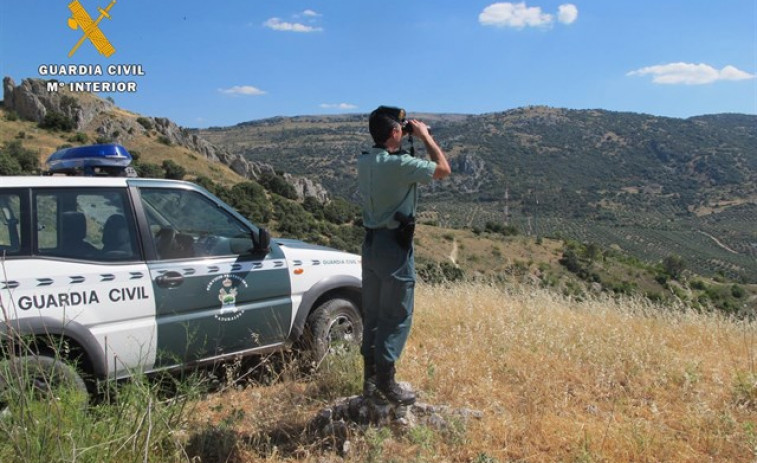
x=406, y=230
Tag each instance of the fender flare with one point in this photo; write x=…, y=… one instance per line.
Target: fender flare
x=312, y=295
x=46, y=326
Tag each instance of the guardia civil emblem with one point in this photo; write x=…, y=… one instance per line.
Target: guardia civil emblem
x=229, y=286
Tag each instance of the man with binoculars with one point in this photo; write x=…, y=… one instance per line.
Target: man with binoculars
x=388, y=179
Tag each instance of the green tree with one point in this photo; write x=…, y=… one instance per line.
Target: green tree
x=9, y=165
x=673, y=265
x=57, y=121
x=339, y=211
x=292, y=218
x=250, y=200
x=17, y=160
x=276, y=184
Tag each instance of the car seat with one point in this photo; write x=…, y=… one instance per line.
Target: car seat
x=116, y=240
x=73, y=230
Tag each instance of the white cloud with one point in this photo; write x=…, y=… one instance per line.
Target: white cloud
x=338, y=106
x=516, y=15
x=279, y=25
x=519, y=15
x=246, y=90
x=311, y=13
x=690, y=74
x=567, y=13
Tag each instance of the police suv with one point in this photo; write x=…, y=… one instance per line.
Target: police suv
x=103, y=275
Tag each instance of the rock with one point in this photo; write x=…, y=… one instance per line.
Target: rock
x=333, y=423
x=33, y=102
x=306, y=187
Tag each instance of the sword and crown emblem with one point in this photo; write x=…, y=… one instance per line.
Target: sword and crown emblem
x=81, y=19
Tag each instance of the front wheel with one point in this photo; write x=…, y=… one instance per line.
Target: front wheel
x=334, y=325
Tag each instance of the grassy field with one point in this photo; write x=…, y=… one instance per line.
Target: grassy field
x=556, y=380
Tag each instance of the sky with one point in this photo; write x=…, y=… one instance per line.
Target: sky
x=205, y=64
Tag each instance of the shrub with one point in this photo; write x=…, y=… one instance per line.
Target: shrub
x=17, y=160
x=250, y=200
x=173, y=171
x=292, y=218
x=312, y=205
x=339, y=211
x=504, y=230
x=148, y=170
x=9, y=165
x=439, y=273
x=738, y=291
x=673, y=265
x=56, y=121
x=79, y=137
x=135, y=155
x=145, y=122
x=209, y=185
x=276, y=184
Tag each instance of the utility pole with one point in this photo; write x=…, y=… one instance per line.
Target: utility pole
x=507, y=206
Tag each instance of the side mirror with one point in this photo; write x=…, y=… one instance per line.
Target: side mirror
x=263, y=243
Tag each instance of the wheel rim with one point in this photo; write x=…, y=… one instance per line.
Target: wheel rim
x=341, y=329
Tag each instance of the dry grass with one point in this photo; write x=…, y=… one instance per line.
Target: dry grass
x=557, y=380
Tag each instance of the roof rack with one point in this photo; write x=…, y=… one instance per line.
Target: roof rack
x=108, y=160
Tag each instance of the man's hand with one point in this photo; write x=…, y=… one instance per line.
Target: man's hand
x=420, y=130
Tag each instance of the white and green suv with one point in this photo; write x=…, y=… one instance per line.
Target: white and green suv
x=102, y=277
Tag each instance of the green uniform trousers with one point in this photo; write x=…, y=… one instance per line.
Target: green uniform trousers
x=388, y=294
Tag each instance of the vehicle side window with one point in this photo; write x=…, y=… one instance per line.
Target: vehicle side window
x=92, y=224
x=187, y=224
x=10, y=223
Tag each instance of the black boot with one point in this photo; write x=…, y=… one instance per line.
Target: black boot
x=370, y=392
x=386, y=384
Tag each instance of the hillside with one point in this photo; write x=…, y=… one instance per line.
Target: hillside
x=649, y=186
x=481, y=248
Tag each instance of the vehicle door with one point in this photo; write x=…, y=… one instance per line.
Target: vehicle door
x=214, y=295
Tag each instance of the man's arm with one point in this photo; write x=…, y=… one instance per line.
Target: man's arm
x=436, y=154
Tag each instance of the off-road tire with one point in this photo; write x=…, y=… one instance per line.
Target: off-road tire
x=335, y=324
x=44, y=376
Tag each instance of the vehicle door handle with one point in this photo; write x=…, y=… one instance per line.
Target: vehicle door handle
x=170, y=280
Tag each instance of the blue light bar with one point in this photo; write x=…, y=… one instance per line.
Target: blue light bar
x=110, y=159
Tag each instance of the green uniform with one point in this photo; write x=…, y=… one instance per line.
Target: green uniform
x=388, y=184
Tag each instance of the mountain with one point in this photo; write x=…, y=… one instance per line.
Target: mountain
x=154, y=139
x=649, y=186
x=530, y=199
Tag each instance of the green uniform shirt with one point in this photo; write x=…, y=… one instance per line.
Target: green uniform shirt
x=387, y=184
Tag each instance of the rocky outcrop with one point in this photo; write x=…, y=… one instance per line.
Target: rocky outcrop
x=469, y=164
x=306, y=187
x=470, y=173
x=32, y=101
